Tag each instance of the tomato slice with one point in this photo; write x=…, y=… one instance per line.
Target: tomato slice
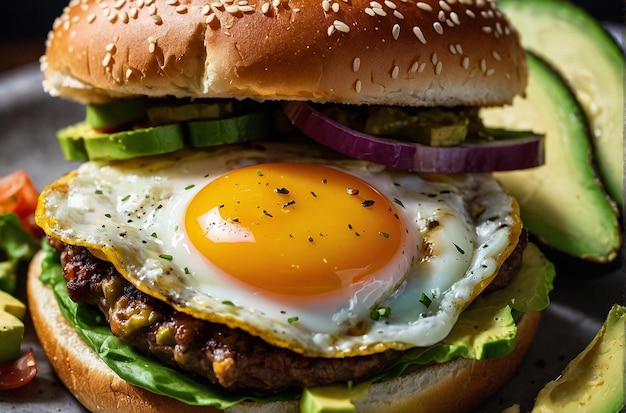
x=16, y=373
x=18, y=195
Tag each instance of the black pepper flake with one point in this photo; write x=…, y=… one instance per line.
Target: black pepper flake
x=107, y=215
x=283, y=191
x=290, y=202
x=314, y=194
x=459, y=249
x=324, y=180
x=267, y=214
x=235, y=219
x=383, y=234
x=309, y=238
x=367, y=203
x=397, y=201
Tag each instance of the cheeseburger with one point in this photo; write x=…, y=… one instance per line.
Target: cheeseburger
x=285, y=206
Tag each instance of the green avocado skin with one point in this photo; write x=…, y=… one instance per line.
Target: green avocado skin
x=594, y=380
x=562, y=202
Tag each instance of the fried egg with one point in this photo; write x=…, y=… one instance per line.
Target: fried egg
x=326, y=257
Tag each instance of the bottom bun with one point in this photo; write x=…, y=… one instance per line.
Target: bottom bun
x=456, y=386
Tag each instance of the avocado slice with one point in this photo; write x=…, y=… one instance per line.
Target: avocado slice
x=561, y=202
x=251, y=126
x=81, y=142
x=590, y=59
x=594, y=380
x=117, y=112
x=12, y=311
x=163, y=114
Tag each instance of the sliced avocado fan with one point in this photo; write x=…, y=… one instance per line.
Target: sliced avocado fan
x=562, y=202
x=588, y=57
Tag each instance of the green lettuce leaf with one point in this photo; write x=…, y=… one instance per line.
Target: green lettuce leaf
x=16, y=245
x=495, y=313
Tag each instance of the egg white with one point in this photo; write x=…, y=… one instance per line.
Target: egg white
x=460, y=230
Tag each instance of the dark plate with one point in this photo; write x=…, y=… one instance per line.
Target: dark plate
x=28, y=122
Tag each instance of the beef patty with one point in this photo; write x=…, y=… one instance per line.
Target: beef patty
x=229, y=357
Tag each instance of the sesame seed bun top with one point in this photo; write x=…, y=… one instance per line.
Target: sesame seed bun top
x=397, y=52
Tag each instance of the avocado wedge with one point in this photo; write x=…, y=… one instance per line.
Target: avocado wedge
x=594, y=380
x=561, y=202
x=588, y=57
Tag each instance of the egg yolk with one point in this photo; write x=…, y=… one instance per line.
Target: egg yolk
x=295, y=229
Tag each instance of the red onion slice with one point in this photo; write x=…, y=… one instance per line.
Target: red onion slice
x=499, y=155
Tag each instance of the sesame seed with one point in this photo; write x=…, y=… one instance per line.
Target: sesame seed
x=326, y=5
x=483, y=65
x=496, y=55
x=434, y=58
x=330, y=30
x=414, y=67
x=390, y=4
x=265, y=8
x=438, y=68
x=335, y=7
x=398, y=14
x=379, y=11
x=375, y=4
x=465, y=62
x=452, y=48
x=129, y=73
x=133, y=12
x=171, y=2
x=438, y=27
x=181, y=9
x=422, y=68
x=107, y=59
x=357, y=86
x=395, y=31
x=275, y=3
x=459, y=49
x=341, y=26
x=356, y=64
x=418, y=33
x=232, y=9
x=487, y=29
x=247, y=9
x=395, y=72
x=206, y=9
x=109, y=47
x=157, y=19
x=444, y=6
x=455, y=18
x=424, y=6
x=491, y=72
x=470, y=13
x=119, y=4
x=370, y=11
x=441, y=16
x=91, y=18
x=210, y=18
x=112, y=17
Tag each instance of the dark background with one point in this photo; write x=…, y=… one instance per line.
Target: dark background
x=25, y=24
